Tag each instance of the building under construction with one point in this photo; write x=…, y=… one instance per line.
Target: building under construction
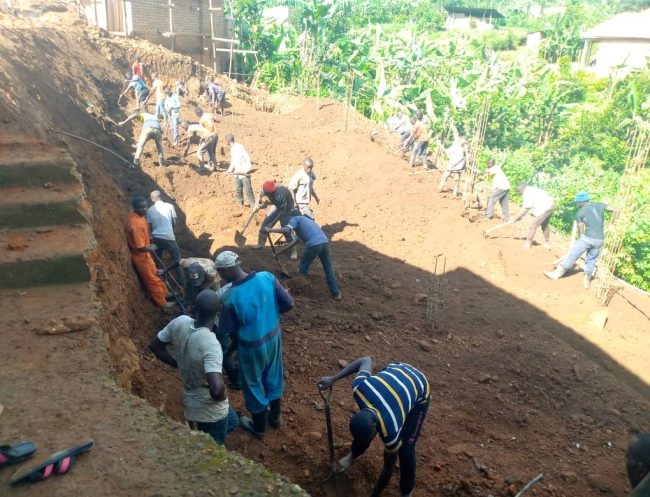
x=197, y=28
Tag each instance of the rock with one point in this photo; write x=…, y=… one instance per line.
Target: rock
x=48, y=185
x=424, y=345
x=79, y=323
x=501, y=333
x=295, y=489
x=306, y=473
x=484, y=378
x=569, y=476
x=42, y=231
x=342, y=363
x=395, y=285
x=376, y=315
x=599, y=483
x=418, y=298
x=50, y=328
x=367, y=338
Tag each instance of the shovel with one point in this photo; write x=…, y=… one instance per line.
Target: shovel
x=283, y=271
x=487, y=232
x=330, y=484
x=240, y=239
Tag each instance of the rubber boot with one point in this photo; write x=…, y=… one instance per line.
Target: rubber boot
x=261, y=241
x=275, y=415
x=586, y=280
x=556, y=274
x=256, y=425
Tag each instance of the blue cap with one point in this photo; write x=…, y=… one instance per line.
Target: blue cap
x=582, y=197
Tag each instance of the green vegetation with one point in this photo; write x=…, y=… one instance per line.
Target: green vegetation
x=554, y=125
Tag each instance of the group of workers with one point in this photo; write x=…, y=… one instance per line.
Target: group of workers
x=228, y=311
x=590, y=216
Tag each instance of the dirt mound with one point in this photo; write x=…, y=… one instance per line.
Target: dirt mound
x=522, y=380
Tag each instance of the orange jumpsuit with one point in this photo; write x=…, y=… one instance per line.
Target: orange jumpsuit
x=137, y=234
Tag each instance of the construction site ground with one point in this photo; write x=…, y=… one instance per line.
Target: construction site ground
x=528, y=375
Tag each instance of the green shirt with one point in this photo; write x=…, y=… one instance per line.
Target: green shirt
x=593, y=217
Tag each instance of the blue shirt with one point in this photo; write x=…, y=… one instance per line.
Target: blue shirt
x=308, y=231
x=138, y=85
x=391, y=394
x=252, y=308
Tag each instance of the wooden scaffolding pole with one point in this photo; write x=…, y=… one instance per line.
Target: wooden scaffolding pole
x=625, y=205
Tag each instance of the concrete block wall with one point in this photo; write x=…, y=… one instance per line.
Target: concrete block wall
x=189, y=17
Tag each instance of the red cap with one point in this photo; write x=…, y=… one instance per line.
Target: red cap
x=269, y=186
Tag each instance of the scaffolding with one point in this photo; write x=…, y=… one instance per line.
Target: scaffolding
x=625, y=205
x=468, y=179
x=436, y=307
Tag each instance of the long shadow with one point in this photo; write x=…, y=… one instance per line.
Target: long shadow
x=508, y=381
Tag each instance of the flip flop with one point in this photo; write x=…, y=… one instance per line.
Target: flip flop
x=12, y=454
x=58, y=464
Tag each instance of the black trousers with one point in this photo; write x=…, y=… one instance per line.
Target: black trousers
x=171, y=247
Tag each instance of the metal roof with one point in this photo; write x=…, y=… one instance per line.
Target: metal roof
x=483, y=13
x=628, y=25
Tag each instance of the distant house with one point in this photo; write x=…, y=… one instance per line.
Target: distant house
x=620, y=43
x=468, y=18
x=185, y=26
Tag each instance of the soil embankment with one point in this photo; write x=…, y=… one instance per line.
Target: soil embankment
x=524, y=381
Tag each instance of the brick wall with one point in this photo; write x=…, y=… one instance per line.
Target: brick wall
x=189, y=17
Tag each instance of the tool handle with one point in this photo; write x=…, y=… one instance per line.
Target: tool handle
x=250, y=218
x=328, y=420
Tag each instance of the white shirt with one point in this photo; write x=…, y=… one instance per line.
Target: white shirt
x=537, y=200
x=197, y=352
x=240, y=161
x=161, y=216
x=456, y=156
x=301, y=183
x=500, y=180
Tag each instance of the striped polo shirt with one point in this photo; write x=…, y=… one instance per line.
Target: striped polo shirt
x=391, y=394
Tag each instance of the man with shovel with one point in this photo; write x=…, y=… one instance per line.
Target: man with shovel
x=393, y=403
x=251, y=315
x=282, y=209
x=316, y=245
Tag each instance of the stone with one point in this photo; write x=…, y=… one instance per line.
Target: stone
x=306, y=473
x=424, y=345
x=484, y=378
x=315, y=435
x=342, y=363
x=79, y=323
x=501, y=333
x=599, y=483
x=376, y=315
x=418, y=298
x=569, y=476
x=367, y=338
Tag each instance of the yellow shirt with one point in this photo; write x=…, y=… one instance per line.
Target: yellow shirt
x=159, y=86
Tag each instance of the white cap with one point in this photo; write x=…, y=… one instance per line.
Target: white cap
x=226, y=259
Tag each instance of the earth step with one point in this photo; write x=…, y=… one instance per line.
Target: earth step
x=44, y=256
x=28, y=306
x=36, y=173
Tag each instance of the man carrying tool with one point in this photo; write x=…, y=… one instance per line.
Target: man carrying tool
x=282, y=209
x=591, y=229
x=158, y=86
x=499, y=193
x=542, y=206
x=251, y=315
x=201, y=274
x=455, y=163
x=173, y=109
x=151, y=130
x=301, y=187
x=140, y=90
x=316, y=245
x=161, y=217
x=420, y=140
x=207, y=144
x=137, y=235
x=240, y=166
x=393, y=403
x=198, y=358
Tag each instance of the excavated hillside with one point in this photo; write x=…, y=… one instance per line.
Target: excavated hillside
x=528, y=375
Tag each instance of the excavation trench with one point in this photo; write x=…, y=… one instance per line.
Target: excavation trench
x=503, y=370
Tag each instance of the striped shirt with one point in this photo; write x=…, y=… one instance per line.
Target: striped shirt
x=391, y=394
